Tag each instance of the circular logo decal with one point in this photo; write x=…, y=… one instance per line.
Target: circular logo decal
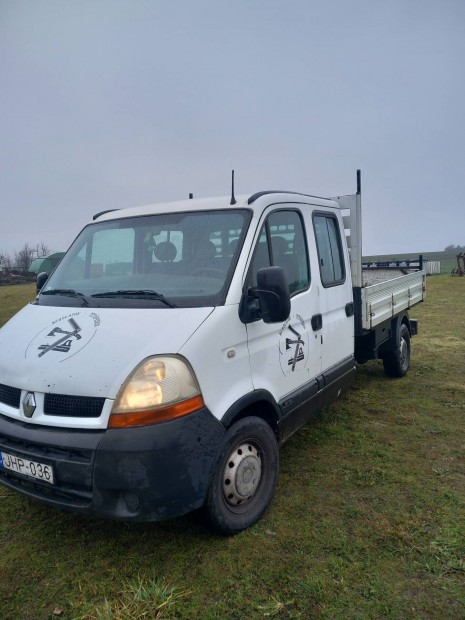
x=65, y=337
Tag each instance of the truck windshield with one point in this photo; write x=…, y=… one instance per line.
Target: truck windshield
x=166, y=261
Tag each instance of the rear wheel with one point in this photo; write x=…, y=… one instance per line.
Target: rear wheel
x=244, y=480
x=396, y=363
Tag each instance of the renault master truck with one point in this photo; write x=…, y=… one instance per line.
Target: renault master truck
x=177, y=346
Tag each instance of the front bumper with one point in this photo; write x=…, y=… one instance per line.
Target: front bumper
x=138, y=474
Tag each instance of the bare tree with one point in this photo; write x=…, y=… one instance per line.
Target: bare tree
x=41, y=250
x=5, y=263
x=24, y=258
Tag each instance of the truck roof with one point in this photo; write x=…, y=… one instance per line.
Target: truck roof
x=256, y=202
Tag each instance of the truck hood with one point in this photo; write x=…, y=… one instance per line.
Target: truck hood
x=88, y=351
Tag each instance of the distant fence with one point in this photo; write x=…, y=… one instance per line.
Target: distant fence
x=432, y=267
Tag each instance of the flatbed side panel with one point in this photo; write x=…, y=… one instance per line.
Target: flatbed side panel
x=385, y=300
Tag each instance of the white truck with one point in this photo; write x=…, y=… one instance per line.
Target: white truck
x=176, y=346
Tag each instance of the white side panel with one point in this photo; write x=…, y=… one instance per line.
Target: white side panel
x=275, y=347
x=219, y=356
x=385, y=300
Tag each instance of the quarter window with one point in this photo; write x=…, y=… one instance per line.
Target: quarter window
x=328, y=242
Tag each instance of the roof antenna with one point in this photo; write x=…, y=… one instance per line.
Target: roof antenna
x=233, y=199
x=191, y=196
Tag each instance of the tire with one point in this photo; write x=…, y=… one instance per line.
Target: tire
x=396, y=363
x=244, y=479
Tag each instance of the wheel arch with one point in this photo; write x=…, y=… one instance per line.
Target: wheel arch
x=259, y=403
x=396, y=324
x=404, y=319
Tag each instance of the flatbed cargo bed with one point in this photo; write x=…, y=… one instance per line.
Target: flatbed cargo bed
x=392, y=293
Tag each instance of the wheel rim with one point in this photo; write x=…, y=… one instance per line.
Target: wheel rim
x=242, y=474
x=403, y=354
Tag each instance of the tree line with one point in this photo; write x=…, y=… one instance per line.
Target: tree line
x=455, y=248
x=21, y=260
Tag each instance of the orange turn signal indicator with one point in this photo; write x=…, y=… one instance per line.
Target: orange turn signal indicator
x=154, y=416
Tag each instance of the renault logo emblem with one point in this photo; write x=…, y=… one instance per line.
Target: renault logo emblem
x=29, y=404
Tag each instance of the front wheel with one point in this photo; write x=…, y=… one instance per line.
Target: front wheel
x=245, y=477
x=396, y=363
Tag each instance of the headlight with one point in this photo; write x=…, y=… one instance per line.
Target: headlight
x=160, y=388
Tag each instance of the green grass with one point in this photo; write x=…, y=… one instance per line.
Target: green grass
x=12, y=298
x=367, y=522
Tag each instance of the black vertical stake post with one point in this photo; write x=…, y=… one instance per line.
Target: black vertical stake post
x=191, y=196
x=233, y=199
x=421, y=262
x=359, y=182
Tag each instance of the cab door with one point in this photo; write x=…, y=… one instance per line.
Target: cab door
x=285, y=358
x=336, y=301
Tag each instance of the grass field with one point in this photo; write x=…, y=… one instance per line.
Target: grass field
x=367, y=522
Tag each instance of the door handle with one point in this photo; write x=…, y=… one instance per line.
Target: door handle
x=317, y=322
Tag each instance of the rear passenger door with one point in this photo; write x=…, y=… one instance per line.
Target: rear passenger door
x=286, y=356
x=336, y=307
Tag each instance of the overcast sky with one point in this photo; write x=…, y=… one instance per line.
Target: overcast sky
x=116, y=103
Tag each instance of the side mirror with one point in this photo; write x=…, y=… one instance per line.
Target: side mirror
x=269, y=300
x=41, y=280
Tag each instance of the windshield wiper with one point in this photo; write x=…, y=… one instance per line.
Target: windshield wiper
x=136, y=293
x=68, y=292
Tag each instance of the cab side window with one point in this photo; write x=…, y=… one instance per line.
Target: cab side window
x=282, y=243
x=330, y=256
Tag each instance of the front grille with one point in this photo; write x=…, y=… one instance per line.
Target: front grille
x=38, y=451
x=73, y=406
x=10, y=396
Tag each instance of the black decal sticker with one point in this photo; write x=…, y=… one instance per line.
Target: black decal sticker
x=294, y=348
x=63, y=344
x=299, y=352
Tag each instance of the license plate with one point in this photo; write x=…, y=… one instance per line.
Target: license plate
x=33, y=469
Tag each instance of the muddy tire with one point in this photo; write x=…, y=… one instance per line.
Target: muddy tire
x=244, y=479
